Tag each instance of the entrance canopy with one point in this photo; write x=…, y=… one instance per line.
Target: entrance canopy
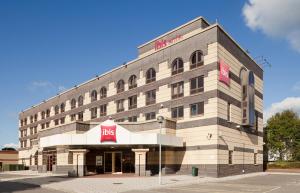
x=110, y=133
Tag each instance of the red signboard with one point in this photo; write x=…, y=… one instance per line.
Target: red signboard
x=108, y=133
x=163, y=43
x=224, y=73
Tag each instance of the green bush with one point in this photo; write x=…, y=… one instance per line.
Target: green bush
x=13, y=167
x=283, y=165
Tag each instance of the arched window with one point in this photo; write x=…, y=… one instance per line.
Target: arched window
x=103, y=92
x=73, y=103
x=120, y=86
x=56, y=109
x=43, y=114
x=62, y=107
x=94, y=95
x=132, y=82
x=35, y=117
x=48, y=113
x=177, y=66
x=150, y=75
x=196, y=59
x=31, y=119
x=80, y=101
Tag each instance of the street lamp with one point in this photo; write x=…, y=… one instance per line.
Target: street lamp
x=160, y=120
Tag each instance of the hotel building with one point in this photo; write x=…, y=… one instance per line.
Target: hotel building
x=207, y=88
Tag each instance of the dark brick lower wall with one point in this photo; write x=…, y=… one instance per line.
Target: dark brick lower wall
x=236, y=169
x=209, y=170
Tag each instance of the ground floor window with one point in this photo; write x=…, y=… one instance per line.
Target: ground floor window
x=255, y=158
x=230, y=154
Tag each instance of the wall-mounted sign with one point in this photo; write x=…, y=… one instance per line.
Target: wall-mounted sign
x=224, y=73
x=108, y=133
x=163, y=43
x=99, y=160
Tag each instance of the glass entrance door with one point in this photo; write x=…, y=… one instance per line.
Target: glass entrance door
x=107, y=162
x=112, y=162
x=118, y=162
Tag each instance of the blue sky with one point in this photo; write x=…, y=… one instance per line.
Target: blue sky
x=48, y=46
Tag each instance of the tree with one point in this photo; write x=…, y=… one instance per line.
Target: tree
x=283, y=135
x=8, y=149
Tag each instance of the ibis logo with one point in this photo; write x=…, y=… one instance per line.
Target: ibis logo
x=224, y=73
x=108, y=133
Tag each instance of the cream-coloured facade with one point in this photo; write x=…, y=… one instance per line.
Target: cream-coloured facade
x=216, y=116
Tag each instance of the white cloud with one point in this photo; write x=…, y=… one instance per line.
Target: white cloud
x=45, y=86
x=275, y=18
x=296, y=87
x=61, y=88
x=11, y=145
x=289, y=103
x=38, y=85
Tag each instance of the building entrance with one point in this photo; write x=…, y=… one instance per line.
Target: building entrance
x=113, y=162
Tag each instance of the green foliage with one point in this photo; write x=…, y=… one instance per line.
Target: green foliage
x=283, y=135
x=13, y=167
x=283, y=165
x=8, y=149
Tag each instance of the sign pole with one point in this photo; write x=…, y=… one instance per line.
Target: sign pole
x=160, y=120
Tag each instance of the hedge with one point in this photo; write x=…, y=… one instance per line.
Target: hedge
x=283, y=164
x=12, y=167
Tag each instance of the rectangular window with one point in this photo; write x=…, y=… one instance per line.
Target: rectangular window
x=62, y=120
x=256, y=121
x=255, y=158
x=73, y=117
x=31, y=130
x=132, y=102
x=150, y=116
x=103, y=110
x=228, y=112
x=47, y=124
x=80, y=116
x=56, y=122
x=132, y=119
x=43, y=126
x=120, y=105
x=70, y=157
x=177, y=112
x=93, y=112
x=197, y=109
x=230, y=154
x=150, y=97
x=177, y=90
x=35, y=129
x=119, y=120
x=197, y=85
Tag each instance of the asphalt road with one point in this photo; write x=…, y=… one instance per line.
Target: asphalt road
x=274, y=183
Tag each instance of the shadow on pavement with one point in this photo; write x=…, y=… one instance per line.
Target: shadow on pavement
x=29, y=183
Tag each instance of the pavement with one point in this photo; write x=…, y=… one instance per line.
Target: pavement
x=248, y=183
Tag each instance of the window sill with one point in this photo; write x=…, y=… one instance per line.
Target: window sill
x=195, y=116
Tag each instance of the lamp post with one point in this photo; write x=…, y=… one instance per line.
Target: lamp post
x=160, y=120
